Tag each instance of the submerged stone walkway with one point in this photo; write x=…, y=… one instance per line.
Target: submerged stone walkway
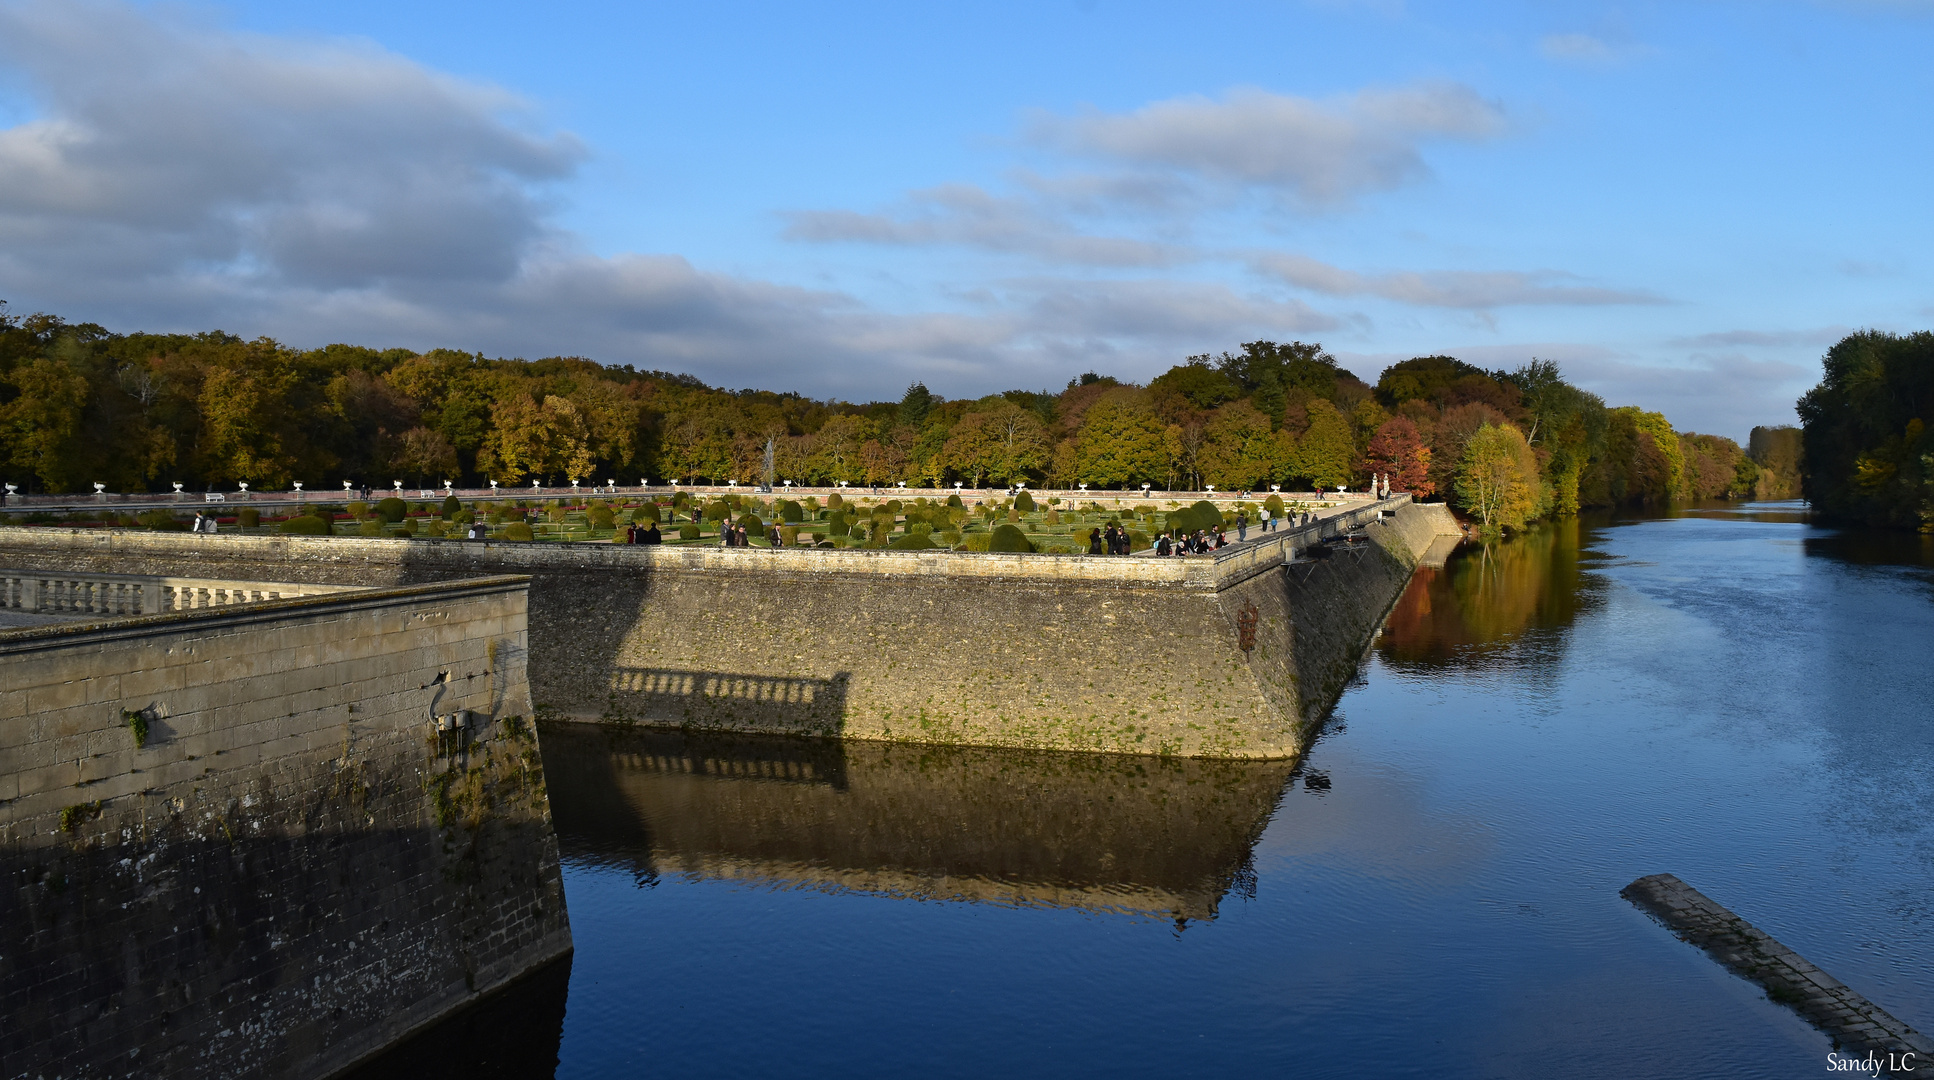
x=1855, y=1024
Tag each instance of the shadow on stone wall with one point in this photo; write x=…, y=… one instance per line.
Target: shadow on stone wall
x=1161, y=837
x=706, y=698
x=513, y=1034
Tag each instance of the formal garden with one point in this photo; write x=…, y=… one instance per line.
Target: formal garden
x=1020, y=523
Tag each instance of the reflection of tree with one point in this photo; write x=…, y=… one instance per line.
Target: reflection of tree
x=1476, y=609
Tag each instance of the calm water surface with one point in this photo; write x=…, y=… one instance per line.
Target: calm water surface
x=1727, y=694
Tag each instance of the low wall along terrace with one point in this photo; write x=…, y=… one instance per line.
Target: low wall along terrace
x=239, y=841
x=1234, y=656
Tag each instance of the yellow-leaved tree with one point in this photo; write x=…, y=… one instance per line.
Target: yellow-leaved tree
x=1498, y=478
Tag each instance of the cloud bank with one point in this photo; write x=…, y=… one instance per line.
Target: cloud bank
x=1322, y=152
x=180, y=176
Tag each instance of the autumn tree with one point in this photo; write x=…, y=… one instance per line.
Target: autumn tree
x=43, y=417
x=1498, y=478
x=1398, y=451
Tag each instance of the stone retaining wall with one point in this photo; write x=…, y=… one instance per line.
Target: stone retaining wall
x=1187, y=656
x=236, y=844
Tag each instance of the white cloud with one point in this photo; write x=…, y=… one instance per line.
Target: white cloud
x=1818, y=337
x=1467, y=289
x=966, y=214
x=1576, y=48
x=314, y=163
x=178, y=176
x=1323, y=152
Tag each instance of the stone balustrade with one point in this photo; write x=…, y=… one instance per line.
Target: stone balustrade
x=33, y=592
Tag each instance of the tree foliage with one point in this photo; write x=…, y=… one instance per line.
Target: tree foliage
x=79, y=404
x=1867, y=454
x=1498, y=477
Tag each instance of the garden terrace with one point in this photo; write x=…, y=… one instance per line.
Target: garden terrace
x=1051, y=524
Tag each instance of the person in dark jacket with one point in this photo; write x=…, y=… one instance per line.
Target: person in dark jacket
x=1095, y=542
x=652, y=535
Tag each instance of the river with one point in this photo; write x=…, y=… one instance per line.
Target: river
x=1726, y=693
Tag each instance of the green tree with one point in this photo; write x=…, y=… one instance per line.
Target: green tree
x=1237, y=447
x=1868, y=456
x=1325, y=453
x=1121, y=441
x=38, y=426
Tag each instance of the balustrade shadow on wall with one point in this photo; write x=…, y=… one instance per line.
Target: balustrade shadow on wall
x=1169, y=838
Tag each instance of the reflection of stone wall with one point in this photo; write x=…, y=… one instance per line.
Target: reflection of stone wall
x=294, y=868
x=1168, y=837
x=1134, y=655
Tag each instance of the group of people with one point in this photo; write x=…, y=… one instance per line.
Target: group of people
x=1113, y=540
x=204, y=523
x=731, y=535
x=646, y=534
x=1183, y=542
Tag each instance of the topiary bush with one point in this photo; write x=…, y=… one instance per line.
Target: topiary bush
x=392, y=509
x=975, y=541
x=463, y=517
x=718, y=511
x=520, y=531
x=789, y=511
x=754, y=528
x=1008, y=538
x=1274, y=504
x=1024, y=502
x=409, y=527
x=645, y=514
x=452, y=506
x=248, y=517
x=790, y=534
x=954, y=501
x=602, y=518
x=835, y=501
x=305, y=525
x=371, y=526
x=912, y=542
x=1053, y=517
x=688, y=531
x=894, y=506
x=358, y=509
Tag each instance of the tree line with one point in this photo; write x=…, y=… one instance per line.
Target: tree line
x=79, y=405
x=1867, y=455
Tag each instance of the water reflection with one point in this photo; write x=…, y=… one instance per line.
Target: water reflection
x=1479, y=606
x=1169, y=838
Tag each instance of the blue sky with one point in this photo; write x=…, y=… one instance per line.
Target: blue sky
x=1683, y=204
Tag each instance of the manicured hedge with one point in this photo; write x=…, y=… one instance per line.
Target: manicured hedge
x=1009, y=538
